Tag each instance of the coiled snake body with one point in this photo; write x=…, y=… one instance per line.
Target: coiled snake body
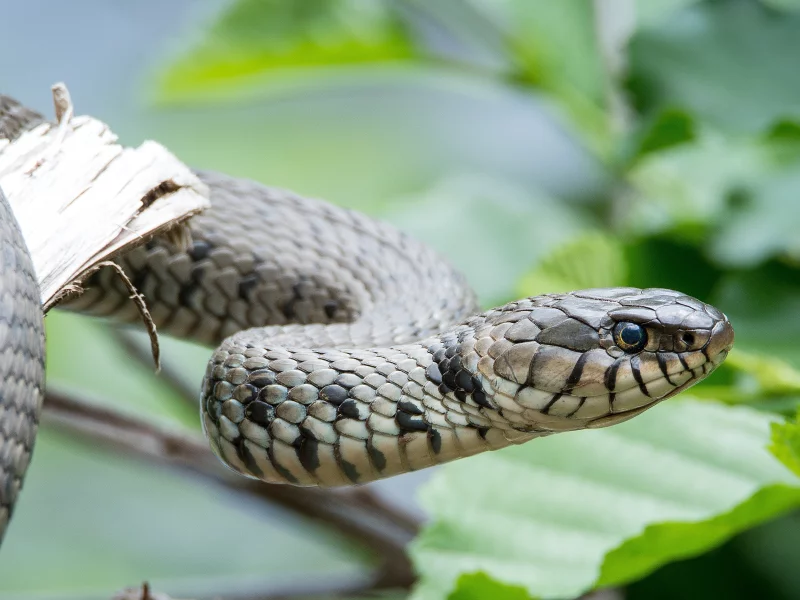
x=351, y=352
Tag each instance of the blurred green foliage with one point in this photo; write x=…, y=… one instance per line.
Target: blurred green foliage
x=604, y=507
x=700, y=135
x=692, y=110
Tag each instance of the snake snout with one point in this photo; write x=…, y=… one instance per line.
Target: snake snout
x=721, y=341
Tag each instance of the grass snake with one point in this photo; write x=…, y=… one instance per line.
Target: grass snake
x=352, y=352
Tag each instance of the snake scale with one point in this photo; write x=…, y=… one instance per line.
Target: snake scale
x=352, y=352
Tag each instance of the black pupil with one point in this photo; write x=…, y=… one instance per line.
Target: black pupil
x=631, y=334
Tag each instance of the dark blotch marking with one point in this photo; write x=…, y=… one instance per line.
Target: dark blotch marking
x=433, y=374
x=480, y=399
x=246, y=285
x=348, y=409
x=436, y=440
x=308, y=455
x=288, y=308
x=140, y=279
x=349, y=469
x=376, y=456
x=340, y=381
x=335, y=394
x=449, y=379
x=248, y=459
x=409, y=423
x=261, y=378
x=260, y=413
x=199, y=250
x=464, y=381
x=252, y=392
x=284, y=472
x=188, y=290
x=410, y=408
x=447, y=372
x=331, y=307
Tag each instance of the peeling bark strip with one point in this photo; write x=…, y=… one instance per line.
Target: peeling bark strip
x=80, y=197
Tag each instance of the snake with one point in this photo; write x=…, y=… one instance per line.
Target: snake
x=347, y=351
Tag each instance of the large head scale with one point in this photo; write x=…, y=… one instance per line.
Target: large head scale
x=595, y=357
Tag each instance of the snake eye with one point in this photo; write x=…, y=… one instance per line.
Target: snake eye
x=630, y=337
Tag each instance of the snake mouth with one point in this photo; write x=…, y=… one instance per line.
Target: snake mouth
x=619, y=416
x=641, y=394
x=705, y=370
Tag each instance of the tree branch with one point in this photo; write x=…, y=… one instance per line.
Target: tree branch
x=171, y=373
x=357, y=515
x=320, y=588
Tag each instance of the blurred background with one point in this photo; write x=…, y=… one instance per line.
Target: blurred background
x=538, y=145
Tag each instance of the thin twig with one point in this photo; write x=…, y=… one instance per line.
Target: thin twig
x=172, y=375
x=327, y=588
x=138, y=301
x=366, y=522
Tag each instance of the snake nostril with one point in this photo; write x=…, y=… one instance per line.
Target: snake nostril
x=688, y=339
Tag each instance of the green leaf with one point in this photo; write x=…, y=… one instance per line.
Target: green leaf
x=652, y=12
x=563, y=514
x=786, y=443
x=591, y=260
x=731, y=571
x=732, y=63
x=262, y=43
x=689, y=186
x=479, y=586
x=574, y=74
x=763, y=306
x=736, y=198
x=783, y=4
x=771, y=374
x=765, y=224
x=662, y=261
x=494, y=230
x=671, y=127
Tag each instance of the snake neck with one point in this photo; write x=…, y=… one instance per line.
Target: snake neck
x=337, y=417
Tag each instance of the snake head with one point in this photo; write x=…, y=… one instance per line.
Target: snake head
x=596, y=357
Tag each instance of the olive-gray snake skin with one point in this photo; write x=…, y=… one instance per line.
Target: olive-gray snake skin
x=351, y=352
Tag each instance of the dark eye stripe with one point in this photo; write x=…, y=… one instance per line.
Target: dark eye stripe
x=662, y=364
x=611, y=375
x=637, y=375
x=577, y=371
